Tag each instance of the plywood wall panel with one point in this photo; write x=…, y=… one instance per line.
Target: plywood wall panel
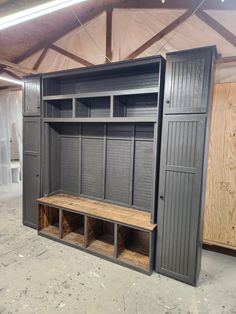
x=220, y=205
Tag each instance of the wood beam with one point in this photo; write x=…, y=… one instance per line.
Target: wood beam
x=169, y=28
x=219, y=28
x=59, y=34
x=40, y=59
x=13, y=75
x=17, y=67
x=108, y=35
x=71, y=56
x=226, y=60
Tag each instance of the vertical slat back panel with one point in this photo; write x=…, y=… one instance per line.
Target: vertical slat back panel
x=143, y=166
x=69, y=163
x=118, y=170
x=92, y=160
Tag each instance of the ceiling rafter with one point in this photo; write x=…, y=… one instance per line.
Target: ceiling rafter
x=40, y=59
x=13, y=75
x=216, y=26
x=59, y=34
x=226, y=60
x=17, y=67
x=71, y=55
x=108, y=35
x=169, y=28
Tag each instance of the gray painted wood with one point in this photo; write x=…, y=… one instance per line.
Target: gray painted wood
x=31, y=98
x=187, y=94
x=31, y=170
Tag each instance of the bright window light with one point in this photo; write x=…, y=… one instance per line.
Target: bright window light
x=32, y=13
x=18, y=82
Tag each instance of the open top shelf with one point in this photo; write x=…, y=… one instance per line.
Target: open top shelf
x=98, y=209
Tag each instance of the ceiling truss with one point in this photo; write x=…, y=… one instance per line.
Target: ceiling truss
x=190, y=5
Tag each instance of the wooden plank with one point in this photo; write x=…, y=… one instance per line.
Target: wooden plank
x=219, y=28
x=134, y=258
x=108, y=35
x=169, y=28
x=106, y=211
x=71, y=55
x=220, y=204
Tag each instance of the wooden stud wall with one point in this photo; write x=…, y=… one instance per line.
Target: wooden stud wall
x=220, y=204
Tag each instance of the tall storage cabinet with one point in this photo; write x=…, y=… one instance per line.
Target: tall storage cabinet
x=187, y=106
x=95, y=142
x=31, y=149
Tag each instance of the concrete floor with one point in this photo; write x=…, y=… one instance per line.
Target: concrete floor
x=41, y=276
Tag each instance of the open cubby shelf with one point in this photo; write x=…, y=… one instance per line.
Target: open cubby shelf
x=133, y=246
x=142, y=105
x=58, y=108
x=120, y=234
x=49, y=220
x=72, y=228
x=108, y=108
x=100, y=236
x=92, y=107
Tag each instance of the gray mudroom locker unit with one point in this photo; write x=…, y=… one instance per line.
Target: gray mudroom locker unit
x=92, y=142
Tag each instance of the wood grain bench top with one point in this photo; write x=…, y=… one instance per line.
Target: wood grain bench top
x=106, y=211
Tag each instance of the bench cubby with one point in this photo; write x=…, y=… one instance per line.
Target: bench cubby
x=49, y=221
x=100, y=236
x=72, y=229
x=120, y=234
x=133, y=246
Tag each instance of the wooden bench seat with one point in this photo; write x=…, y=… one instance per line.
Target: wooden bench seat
x=104, y=210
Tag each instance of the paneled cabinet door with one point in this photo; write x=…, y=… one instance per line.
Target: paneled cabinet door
x=188, y=82
x=31, y=101
x=31, y=170
x=180, y=195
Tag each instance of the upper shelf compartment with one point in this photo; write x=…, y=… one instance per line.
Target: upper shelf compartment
x=135, y=75
x=132, y=106
x=58, y=108
x=92, y=107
